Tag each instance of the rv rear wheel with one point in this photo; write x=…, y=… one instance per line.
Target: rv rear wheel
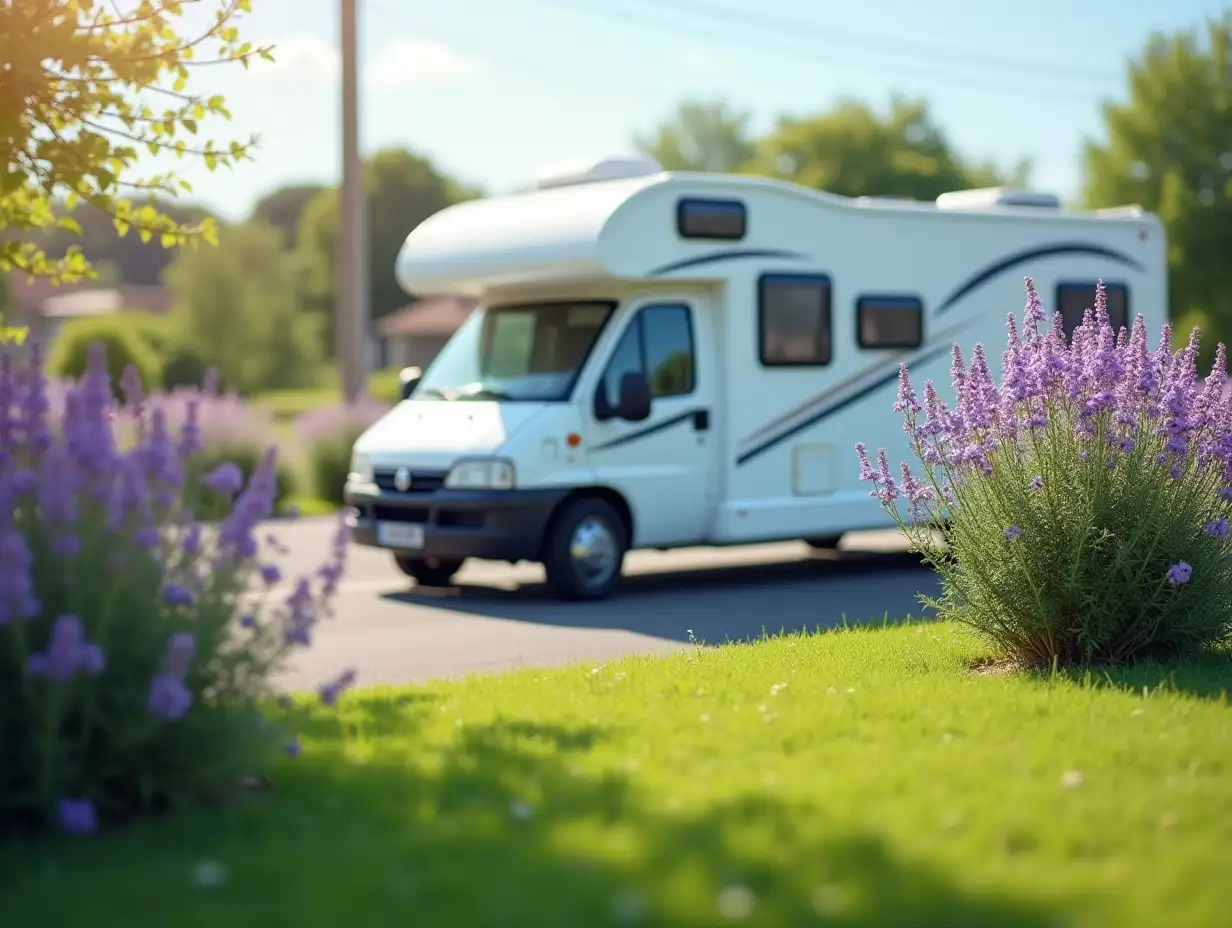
x=824, y=542
x=432, y=571
x=584, y=550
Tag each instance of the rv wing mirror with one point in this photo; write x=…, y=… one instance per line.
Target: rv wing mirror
x=634, y=405
x=408, y=380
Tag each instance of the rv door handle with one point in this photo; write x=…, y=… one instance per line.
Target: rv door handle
x=701, y=420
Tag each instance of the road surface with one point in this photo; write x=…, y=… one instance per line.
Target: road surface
x=499, y=616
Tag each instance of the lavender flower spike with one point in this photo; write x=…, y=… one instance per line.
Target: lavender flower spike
x=1179, y=573
x=77, y=816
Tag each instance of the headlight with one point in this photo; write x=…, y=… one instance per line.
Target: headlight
x=361, y=469
x=481, y=474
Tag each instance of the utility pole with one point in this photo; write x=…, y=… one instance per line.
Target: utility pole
x=351, y=312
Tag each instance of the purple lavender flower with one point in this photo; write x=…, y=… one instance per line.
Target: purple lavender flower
x=180, y=649
x=341, y=422
x=248, y=620
x=226, y=479
x=292, y=748
x=176, y=594
x=67, y=654
x=1035, y=483
x=1218, y=528
x=17, y=599
x=329, y=692
x=77, y=816
x=1179, y=573
x=169, y=698
x=1012, y=532
x=270, y=574
x=906, y=400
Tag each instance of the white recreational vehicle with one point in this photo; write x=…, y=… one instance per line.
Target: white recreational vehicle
x=663, y=360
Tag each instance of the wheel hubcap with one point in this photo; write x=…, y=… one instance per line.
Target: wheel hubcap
x=593, y=551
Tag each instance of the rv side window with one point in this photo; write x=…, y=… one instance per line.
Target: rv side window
x=657, y=343
x=1073, y=300
x=889, y=322
x=794, y=319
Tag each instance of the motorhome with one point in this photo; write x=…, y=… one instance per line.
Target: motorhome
x=663, y=360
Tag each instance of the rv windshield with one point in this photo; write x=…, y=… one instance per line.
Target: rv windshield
x=525, y=353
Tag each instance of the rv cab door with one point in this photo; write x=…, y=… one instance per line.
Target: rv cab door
x=661, y=454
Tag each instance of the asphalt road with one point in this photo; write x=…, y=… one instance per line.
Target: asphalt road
x=500, y=616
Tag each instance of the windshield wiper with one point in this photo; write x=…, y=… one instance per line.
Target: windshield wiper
x=432, y=391
x=485, y=393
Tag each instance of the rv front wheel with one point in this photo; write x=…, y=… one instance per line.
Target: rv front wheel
x=584, y=550
x=432, y=571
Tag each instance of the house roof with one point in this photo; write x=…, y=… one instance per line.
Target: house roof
x=432, y=317
x=38, y=296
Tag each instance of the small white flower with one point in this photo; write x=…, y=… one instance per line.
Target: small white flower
x=629, y=905
x=209, y=874
x=777, y=688
x=1072, y=779
x=736, y=902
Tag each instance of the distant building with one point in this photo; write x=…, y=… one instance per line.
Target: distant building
x=413, y=336
x=43, y=307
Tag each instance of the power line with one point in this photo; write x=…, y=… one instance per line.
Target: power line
x=899, y=47
x=541, y=70
x=817, y=50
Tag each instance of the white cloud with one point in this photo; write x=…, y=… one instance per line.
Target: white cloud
x=411, y=63
x=303, y=57
x=401, y=64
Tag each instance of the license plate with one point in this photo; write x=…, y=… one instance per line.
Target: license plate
x=400, y=535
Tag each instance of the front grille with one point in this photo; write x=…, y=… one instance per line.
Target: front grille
x=422, y=481
x=416, y=515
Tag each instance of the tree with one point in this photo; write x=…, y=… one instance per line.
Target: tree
x=1169, y=149
x=239, y=307
x=90, y=89
x=853, y=151
x=403, y=189
x=701, y=136
x=284, y=208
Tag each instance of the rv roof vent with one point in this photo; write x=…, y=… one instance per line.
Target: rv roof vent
x=995, y=197
x=590, y=171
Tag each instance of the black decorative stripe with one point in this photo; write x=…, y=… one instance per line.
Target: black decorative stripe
x=837, y=407
x=894, y=361
x=1049, y=251
x=727, y=255
x=650, y=429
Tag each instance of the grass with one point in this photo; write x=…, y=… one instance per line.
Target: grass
x=286, y=405
x=864, y=777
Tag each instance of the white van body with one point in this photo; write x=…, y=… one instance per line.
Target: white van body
x=787, y=312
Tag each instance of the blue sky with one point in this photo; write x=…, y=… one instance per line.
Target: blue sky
x=495, y=89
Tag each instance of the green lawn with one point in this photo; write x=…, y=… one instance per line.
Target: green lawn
x=853, y=778
x=286, y=405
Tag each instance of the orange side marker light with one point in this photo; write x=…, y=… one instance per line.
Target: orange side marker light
x=573, y=439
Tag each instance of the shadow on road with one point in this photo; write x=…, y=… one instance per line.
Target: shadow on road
x=716, y=604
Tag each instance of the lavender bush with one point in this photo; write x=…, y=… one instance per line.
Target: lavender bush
x=137, y=646
x=1083, y=501
x=327, y=436
x=232, y=430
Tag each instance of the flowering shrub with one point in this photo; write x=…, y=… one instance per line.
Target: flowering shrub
x=232, y=430
x=1083, y=501
x=137, y=646
x=327, y=436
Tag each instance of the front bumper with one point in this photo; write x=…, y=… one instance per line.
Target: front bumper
x=497, y=525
